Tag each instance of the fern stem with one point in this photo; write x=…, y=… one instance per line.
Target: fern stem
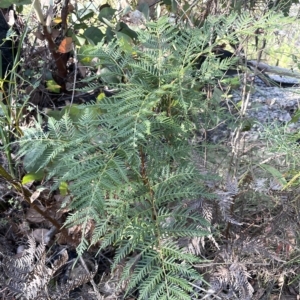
x=154, y=214
x=146, y=182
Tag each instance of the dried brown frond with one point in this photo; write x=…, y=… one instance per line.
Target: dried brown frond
x=231, y=282
x=196, y=244
x=27, y=276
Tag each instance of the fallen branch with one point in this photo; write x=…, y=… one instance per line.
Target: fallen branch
x=265, y=68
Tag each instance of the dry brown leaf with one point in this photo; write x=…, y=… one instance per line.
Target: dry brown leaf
x=66, y=45
x=33, y=216
x=35, y=195
x=71, y=8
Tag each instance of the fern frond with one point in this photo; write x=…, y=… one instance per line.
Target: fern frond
x=233, y=280
x=156, y=273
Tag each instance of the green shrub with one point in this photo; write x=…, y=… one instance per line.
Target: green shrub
x=129, y=160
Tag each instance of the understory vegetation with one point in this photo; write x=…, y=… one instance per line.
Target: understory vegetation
x=127, y=169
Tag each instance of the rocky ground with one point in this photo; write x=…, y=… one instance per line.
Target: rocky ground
x=272, y=104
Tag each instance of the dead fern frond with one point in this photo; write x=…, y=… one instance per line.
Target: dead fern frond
x=231, y=282
x=28, y=276
x=194, y=245
x=70, y=285
x=226, y=197
x=60, y=261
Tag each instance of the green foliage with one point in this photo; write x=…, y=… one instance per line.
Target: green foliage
x=8, y=3
x=283, y=6
x=99, y=24
x=282, y=140
x=10, y=110
x=129, y=160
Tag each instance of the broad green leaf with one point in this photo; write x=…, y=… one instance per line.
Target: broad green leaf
x=52, y=86
x=106, y=13
x=110, y=34
x=63, y=188
x=30, y=177
x=85, y=14
x=74, y=111
x=83, y=54
x=100, y=97
x=144, y=8
x=125, y=42
x=122, y=27
x=80, y=41
x=94, y=35
x=80, y=26
x=108, y=23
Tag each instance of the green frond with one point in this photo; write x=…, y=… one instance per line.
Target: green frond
x=161, y=276
x=148, y=285
x=82, y=216
x=171, y=249
x=142, y=269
